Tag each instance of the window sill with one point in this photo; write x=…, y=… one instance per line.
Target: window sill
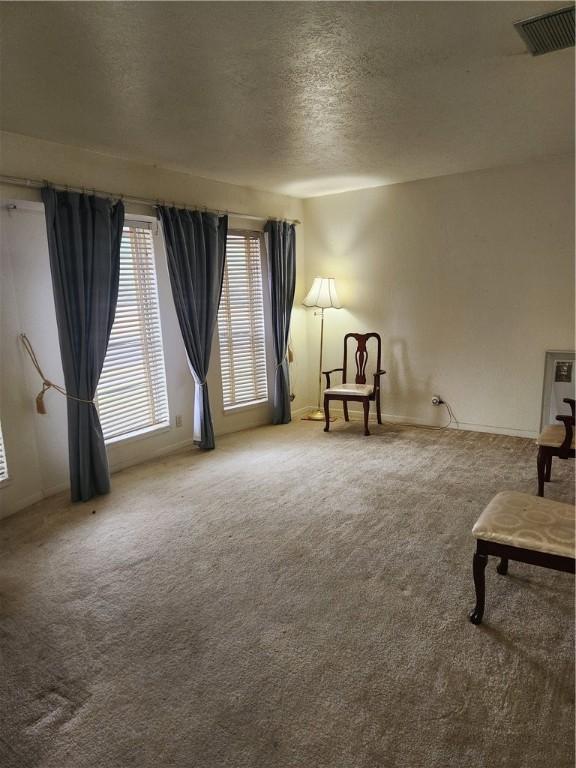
x=245, y=407
x=140, y=434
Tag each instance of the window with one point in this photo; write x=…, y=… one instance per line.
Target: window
x=3, y=465
x=241, y=323
x=131, y=395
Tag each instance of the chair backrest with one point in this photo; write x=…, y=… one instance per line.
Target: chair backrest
x=361, y=355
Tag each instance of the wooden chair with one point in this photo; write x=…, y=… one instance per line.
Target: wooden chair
x=555, y=440
x=359, y=391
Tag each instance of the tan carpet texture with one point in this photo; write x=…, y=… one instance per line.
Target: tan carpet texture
x=293, y=599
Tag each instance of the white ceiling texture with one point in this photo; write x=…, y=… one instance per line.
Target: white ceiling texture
x=303, y=98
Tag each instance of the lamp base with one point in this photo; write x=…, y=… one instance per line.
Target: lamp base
x=316, y=415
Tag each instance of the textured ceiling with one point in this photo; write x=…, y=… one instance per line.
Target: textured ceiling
x=300, y=98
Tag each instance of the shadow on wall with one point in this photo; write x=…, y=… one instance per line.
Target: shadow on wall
x=405, y=395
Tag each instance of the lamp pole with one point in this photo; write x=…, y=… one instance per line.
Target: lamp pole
x=321, y=313
x=322, y=295
x=318, y=414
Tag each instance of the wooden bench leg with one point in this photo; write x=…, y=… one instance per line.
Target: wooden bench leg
x=541, y=462
x=502, y=567
x=548, y=476
x=478, y=568
x=345, y=407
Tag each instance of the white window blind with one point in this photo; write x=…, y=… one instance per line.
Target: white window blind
x=3, y=465
x=241, y=323
x=131, y=395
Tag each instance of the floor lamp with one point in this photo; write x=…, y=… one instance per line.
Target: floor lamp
x=323, y=296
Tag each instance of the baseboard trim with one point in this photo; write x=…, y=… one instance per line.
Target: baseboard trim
x=23, y=503
x=54, y=490
x=118, y=466
x=511, y=431
x=303, y=410
x=357, y=415
x=167, y=450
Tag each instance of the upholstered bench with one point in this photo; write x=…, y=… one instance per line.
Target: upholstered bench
x=555, y=440
x=517, y=526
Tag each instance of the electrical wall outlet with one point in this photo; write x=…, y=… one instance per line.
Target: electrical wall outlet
x=178, y=421
x=437, y=400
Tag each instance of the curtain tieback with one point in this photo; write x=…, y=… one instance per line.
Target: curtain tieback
x=46, y=383
x=288, y=356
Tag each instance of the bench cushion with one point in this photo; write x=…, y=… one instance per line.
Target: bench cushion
x=553, y=436
x=350, y=389
x=529, y=522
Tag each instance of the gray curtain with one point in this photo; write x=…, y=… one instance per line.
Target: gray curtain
x=282, y=268
x=196, y=250
x=84, y=235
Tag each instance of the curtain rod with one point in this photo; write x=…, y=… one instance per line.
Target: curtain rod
x=18, y=181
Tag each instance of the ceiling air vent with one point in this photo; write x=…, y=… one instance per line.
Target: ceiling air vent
x=549, y=32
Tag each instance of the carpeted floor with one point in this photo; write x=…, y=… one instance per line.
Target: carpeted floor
x=292, y=599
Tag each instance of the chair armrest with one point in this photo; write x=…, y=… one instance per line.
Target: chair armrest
x=327, y=374
x=377, y=379
x=572, y=403
x=568, y=422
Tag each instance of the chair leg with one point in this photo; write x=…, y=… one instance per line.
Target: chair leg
x=327, y=414
x=366, y=405
x=478, y=568
x=378, y=410
x=548, y=475
x=541, y=462
x=345, y=407
x=502, y=567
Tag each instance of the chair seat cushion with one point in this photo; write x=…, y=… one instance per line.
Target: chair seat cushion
x=529, y=522
x=553, y=436
x=350, y=389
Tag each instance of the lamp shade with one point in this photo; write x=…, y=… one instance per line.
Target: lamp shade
x=323, y=294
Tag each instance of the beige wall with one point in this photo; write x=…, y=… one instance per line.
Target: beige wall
x=37, y=445
x=468, y=278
